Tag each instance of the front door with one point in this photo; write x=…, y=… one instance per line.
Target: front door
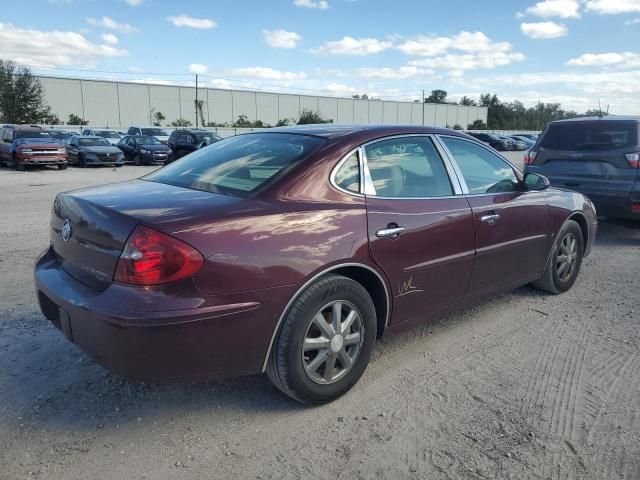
x=512, y=230
x=420, y=233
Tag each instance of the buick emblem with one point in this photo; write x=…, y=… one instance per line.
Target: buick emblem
x=66, y=230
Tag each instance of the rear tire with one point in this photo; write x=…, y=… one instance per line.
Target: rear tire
x=564, y=261
x=344, y=347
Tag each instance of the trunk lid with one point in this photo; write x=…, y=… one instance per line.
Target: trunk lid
x=100, y=220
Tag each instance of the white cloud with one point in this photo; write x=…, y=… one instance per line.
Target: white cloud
x=470, y=61
x=555, y=8
x=543, y=30
x=268, y=73
x=197, y=68
x=110, y=23
x=36, y=48
x=319, y=4
x=612, y=7
x=353, y=46
x=633, y=21
x=192, y=22
x=281, y=38
x=134, y=3
x=622, y=59
x=428, y=45
x=109, y=38
x=408, y=71
x=340, y=88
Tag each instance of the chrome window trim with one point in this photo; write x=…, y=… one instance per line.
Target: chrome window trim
x=309, y=282
x=463, y=182
x=448, y=165
x=332, y=176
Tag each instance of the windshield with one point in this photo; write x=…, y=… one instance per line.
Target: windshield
x=586, y=135
x=93, y=142
x=238, y=165
x=60, y=135
x=31, y=134
x=146, y=140
x=154, y=132
x=107, y=134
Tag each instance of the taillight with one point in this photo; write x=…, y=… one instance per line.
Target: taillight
x=150, y=257
x=633, y=159
x=529, y=157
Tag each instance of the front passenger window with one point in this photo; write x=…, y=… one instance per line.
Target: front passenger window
x=483, y=171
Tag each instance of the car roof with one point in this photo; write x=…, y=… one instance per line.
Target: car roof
x=334, y=131
x=605, y=118
x=26, y=128
x=89, y=136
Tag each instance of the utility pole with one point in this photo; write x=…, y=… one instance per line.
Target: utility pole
x=196, y=100
x=423, y=107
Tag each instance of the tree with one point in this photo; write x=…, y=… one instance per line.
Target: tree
x=22, y=96
x=468, y=101
x=457, y=126
x=284, y=122
x=308, y=117
x=477, y=125
x=242, y=122
x=437, y=96
x=76, y=120
x=158, y=118
x=181, y=122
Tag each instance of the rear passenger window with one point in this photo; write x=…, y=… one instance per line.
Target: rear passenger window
x=483, y=171
x=348, y=175
x=407, y=167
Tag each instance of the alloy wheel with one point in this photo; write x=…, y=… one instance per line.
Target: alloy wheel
x=332, y=342
x=567, y=257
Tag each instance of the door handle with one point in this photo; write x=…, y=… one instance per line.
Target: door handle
x=389, y=232
x=490, y=219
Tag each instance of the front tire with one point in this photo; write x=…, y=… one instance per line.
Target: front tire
x=21, y=167
x=565, y=260
x=136, y=160
x=325, y=342
x=62, y=166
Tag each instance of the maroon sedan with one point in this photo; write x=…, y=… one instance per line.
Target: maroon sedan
x=291, y=250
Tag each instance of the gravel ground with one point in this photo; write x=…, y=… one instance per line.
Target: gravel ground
x=525, y=385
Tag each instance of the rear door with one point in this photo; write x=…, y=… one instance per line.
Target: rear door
x=420, y=233
x=512, y=228
x=590, y=157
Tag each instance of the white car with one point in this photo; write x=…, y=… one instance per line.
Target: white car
x=158, y=132
x=112, y=136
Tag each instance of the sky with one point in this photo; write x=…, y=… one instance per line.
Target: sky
x=580, y=53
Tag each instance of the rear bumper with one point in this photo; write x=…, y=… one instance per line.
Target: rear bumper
x=217, y=337
x=616, y=207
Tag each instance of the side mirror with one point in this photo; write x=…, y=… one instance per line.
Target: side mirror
x=534, y=181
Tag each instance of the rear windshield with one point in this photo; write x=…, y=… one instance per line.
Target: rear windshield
x=155, y=132
x=590, y=136
x=238, y=165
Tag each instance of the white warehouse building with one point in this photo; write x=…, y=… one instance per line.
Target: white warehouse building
x=118, y=104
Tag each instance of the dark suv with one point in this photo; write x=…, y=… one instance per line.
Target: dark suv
x=185, y=141
x=597, y=156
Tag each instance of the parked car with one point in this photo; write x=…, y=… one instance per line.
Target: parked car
x=60, y=135
x=185, y=141
x=160, y=133
x=112, y=136
x=599, y=157
x=526, y=140
x=25, y=146
x=518, y=145
x=87, y=150
x=531, y=136
x=145, y=150
x=494, y=140
x=291, y=251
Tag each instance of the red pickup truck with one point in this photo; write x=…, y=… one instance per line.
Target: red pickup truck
x=22, y=146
